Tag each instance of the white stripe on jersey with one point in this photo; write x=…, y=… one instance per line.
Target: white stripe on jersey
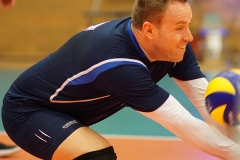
x=86, y=72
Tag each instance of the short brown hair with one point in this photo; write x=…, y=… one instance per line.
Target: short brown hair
x=149, y=10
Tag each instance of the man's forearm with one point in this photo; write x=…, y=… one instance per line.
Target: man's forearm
x=193, y=131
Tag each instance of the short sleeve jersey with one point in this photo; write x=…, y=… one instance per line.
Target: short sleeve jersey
x=96, y=73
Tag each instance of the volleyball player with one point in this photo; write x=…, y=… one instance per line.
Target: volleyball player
x=48, y=109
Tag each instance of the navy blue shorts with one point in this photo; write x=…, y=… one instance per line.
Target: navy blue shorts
x=38, y=132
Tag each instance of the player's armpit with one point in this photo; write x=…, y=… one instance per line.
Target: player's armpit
x=174, y=117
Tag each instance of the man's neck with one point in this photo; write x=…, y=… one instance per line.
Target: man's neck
x=138, y=35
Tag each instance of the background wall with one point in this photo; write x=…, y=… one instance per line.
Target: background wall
x=33, y=29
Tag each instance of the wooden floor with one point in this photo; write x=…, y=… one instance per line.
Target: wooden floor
x=136, y=148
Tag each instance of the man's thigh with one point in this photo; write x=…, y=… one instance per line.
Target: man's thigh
x=39, y=132
x=81, y=141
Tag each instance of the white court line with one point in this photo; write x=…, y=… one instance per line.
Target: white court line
x=117, y=136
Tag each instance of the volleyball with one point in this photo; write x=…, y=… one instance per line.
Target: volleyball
x=222, y=97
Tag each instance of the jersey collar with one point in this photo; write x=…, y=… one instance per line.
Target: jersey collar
x=134, y=40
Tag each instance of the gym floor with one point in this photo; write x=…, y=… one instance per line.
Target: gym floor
x=136, y=148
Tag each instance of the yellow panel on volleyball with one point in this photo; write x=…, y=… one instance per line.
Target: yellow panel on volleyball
x=237, y=71
x=217, y=114
x=220, y=84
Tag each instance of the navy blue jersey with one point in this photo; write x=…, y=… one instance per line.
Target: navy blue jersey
x=96, y=73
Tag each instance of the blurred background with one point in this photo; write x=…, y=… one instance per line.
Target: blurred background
x=33, y=29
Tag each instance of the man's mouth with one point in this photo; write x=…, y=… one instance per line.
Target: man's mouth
x=181, y=47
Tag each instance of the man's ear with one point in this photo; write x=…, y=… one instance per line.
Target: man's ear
x=148, y=30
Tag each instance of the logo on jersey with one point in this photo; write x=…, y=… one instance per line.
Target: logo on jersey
x=68, y=124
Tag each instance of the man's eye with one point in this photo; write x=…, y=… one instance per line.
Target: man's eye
x=179, y=28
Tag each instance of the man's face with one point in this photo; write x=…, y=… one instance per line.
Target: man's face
x=173, y=34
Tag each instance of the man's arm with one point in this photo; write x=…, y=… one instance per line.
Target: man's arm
x=174, y=117
x=195, y=90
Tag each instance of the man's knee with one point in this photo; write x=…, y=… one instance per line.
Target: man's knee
x=103, y=154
